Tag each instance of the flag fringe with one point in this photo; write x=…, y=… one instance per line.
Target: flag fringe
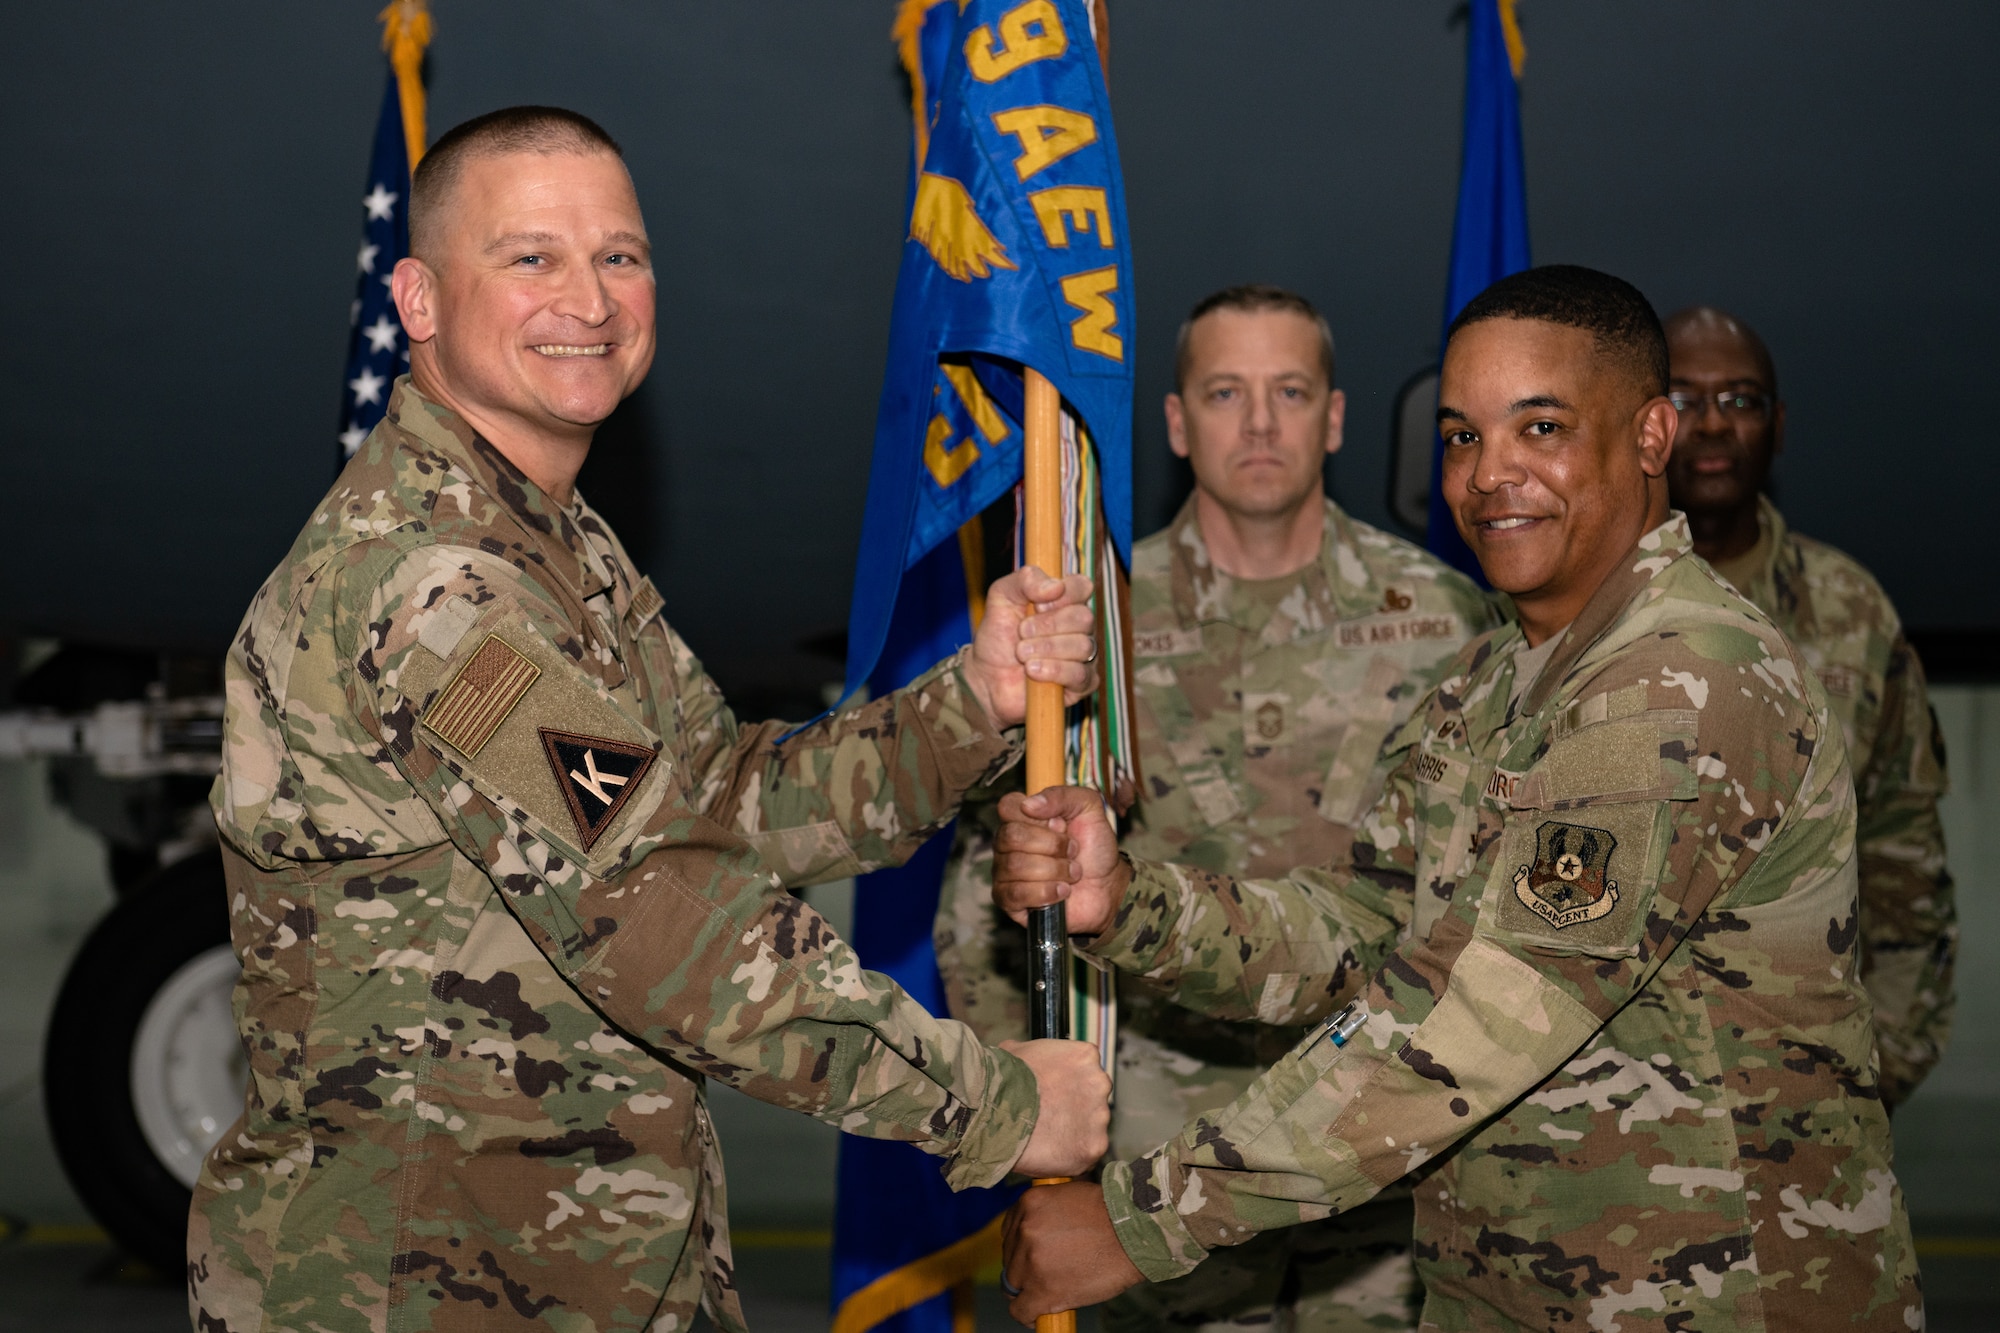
x=907, y=33
x=406, y=33
x=915, y=1282
x=1510, y=28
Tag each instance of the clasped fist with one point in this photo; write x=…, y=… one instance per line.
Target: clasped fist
x=1073, y=1129
x=1061, y=1251
x=1059, y=847
x=1035, y=628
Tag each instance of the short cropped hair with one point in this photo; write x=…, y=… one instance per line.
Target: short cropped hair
x=514, y=129
x=1250, y=296
x=1696, y=316
x=1614, y=312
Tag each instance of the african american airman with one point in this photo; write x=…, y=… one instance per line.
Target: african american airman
x=1623, y=1056
x=1732, y=427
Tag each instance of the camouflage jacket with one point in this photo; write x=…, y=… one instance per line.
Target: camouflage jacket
x=1625, y=1051
x=1846, y=629
x=507, y=880
x=1259, y=727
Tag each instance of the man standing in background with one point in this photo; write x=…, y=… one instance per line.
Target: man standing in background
x=1278, y=641
x=1732, y=427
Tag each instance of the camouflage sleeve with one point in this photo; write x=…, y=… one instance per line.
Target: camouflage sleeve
x=852, y=792
x=663, y=920
x=1284, y=951
x=1909, y=916
x=1457, y=1026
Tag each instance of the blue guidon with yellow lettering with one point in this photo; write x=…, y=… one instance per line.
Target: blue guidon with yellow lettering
x=1016, y=256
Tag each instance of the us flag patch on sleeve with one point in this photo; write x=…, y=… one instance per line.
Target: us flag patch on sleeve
x=597, y=777
x=646, y=603
x=480, y=697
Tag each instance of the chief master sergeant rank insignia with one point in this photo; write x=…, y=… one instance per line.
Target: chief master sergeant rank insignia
x=1570, y=880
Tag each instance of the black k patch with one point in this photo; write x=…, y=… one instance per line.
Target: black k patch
x=597, y=777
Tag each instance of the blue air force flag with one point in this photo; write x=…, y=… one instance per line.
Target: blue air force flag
x=1016, y=256
x=1489, y=236
x=377, y=351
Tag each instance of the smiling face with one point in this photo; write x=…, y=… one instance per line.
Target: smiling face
x=1255, y=417
x=532, y=316
x=1722, y=455
x=1553, y=461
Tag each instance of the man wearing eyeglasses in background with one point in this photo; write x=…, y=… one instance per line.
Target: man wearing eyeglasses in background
x=1732, y=427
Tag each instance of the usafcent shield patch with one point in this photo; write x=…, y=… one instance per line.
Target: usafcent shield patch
x=1570, y=881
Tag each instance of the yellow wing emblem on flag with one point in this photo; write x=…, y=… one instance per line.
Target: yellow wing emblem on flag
x=948, y=226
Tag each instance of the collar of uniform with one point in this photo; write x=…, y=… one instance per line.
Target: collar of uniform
x=1482, y=691
x=1646, y=561
x=554, y=539
x=1337, y=586
x=1780, y=583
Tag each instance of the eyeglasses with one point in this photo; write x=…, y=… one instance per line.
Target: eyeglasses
x=1731, y=402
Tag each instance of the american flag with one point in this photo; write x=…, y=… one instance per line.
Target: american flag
x=377, y=351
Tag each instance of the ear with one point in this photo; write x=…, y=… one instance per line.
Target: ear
x=1657, y=423
x=414, y=285
x=1777, y=428
x=1176, y=426
x=1336, y=420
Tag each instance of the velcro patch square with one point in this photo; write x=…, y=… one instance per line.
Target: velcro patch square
x=646, y=603
x=597, y=776
x=470, y=709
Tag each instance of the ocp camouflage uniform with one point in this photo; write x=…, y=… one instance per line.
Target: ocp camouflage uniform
x=1262, y=708
x=1842, y=621
x=507, y=880
x=1624, y=1056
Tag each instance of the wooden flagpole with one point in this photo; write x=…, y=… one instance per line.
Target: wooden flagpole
x=1041, y=486
x=1041, y=474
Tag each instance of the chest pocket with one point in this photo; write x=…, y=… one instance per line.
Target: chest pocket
x=653, y=662
x=1586, y=834
x=1354, y=777
x=1445, y=815
x=1198, y=774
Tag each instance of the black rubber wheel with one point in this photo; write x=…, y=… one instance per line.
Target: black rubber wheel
x=136, y=1070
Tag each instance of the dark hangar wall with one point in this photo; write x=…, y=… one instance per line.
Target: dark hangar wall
x=183, y=196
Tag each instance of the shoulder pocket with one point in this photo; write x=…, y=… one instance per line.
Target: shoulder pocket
x=530, y=732
x=1587, y=831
